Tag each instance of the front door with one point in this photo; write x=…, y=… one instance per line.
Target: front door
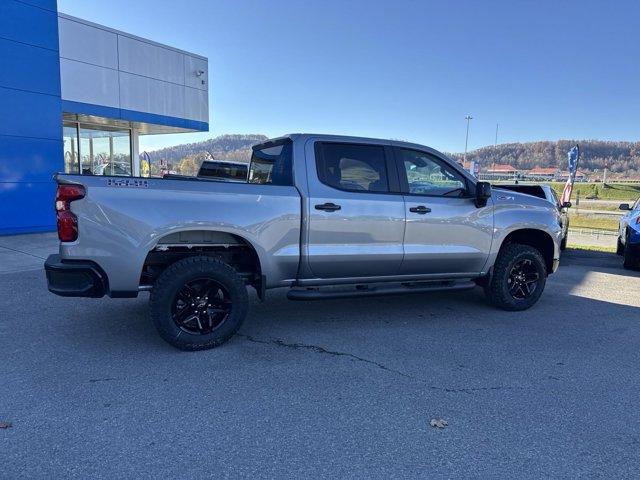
x=445, y=232
x=355, y=223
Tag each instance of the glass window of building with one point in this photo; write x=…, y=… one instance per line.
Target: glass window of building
x=90, y=150
x=71, y=150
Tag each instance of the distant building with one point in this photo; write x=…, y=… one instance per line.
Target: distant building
x=499, y=171
x=543, y=173
x=552, y=174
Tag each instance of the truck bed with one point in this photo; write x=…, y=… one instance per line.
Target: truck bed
x=121, y=219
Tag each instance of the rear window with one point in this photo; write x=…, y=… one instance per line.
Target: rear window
x=271, y=163
x=352, y=167
x=223, y=171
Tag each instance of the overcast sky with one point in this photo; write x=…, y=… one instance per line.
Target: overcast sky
x=401, y=69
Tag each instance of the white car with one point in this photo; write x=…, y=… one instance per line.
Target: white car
x=546, y=192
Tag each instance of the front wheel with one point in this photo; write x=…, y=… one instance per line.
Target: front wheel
x=518, y=278
x=198, y=303
x=630, y=260
x=620, y=247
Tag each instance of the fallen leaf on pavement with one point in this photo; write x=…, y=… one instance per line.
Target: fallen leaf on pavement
x=438, y=423
x=5, y=425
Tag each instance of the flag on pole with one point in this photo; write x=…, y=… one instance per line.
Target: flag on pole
x=573, y=157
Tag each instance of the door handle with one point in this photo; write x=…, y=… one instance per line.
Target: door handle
x=328, y=207
x=421, y=209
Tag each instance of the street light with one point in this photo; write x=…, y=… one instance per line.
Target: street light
x=468, y=118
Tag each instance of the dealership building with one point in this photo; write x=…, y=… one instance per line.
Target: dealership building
x=75, y=97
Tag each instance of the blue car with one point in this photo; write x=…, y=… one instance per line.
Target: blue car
x=629, y=235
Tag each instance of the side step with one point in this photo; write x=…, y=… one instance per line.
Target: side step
x=370, y=290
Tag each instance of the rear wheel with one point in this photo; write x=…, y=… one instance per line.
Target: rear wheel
x=563, y=243
x=518, y=278
x=198, y=303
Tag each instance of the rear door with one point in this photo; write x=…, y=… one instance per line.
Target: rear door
x=356, y=214
x=445, y=232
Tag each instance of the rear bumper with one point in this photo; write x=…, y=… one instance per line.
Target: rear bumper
x=75, y=278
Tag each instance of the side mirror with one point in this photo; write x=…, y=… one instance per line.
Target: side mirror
x=566, y=205
x=624, y=206
x=483, y=193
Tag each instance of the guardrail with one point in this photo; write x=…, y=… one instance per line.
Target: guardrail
x=596, y=232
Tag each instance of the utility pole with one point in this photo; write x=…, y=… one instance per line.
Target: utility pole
x=468, y=118
x=496, y=142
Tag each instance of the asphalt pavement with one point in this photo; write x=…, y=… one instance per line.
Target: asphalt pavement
x=334, y=389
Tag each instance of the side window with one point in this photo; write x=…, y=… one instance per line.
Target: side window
x=428, y=176
x=271, y=164
x=359, y=168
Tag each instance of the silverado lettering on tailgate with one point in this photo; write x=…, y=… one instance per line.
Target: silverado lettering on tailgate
x=127, y=182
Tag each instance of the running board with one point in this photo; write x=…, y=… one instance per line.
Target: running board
x=370, y=290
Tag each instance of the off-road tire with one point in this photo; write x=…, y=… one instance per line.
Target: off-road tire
x=170, y=282
x=497, y=289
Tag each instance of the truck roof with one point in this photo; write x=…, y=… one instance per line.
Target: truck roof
x=352, y=139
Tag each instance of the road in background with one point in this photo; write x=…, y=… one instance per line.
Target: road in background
x=340, y=388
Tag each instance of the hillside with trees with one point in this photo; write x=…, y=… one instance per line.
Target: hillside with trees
x=622, y=159
x=186, y=159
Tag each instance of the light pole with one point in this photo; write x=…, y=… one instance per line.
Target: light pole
x=496, y=142
x=468, y=118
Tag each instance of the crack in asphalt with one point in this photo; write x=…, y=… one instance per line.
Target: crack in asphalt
x=321, y=350
x=317, y=349
x=95, y=380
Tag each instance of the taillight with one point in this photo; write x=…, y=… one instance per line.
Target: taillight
x=66, y=220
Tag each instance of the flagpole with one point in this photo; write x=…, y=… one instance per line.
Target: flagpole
x=468, y=118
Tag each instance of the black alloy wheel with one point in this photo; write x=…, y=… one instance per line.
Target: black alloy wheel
x=201, y=306
x=523, y=279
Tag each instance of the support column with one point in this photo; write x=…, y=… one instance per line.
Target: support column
x=135, y=152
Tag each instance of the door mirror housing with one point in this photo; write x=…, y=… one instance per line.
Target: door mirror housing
x=624, y=206
x=483, y=193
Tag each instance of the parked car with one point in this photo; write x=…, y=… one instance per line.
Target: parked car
x=222, y=170
x=325, y=216
x=629, y=235
x=548, y=193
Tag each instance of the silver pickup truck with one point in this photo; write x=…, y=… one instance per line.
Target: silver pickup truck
x=325, y=216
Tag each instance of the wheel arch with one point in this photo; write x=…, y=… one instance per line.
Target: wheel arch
x=536, y=238
x=234, y=249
